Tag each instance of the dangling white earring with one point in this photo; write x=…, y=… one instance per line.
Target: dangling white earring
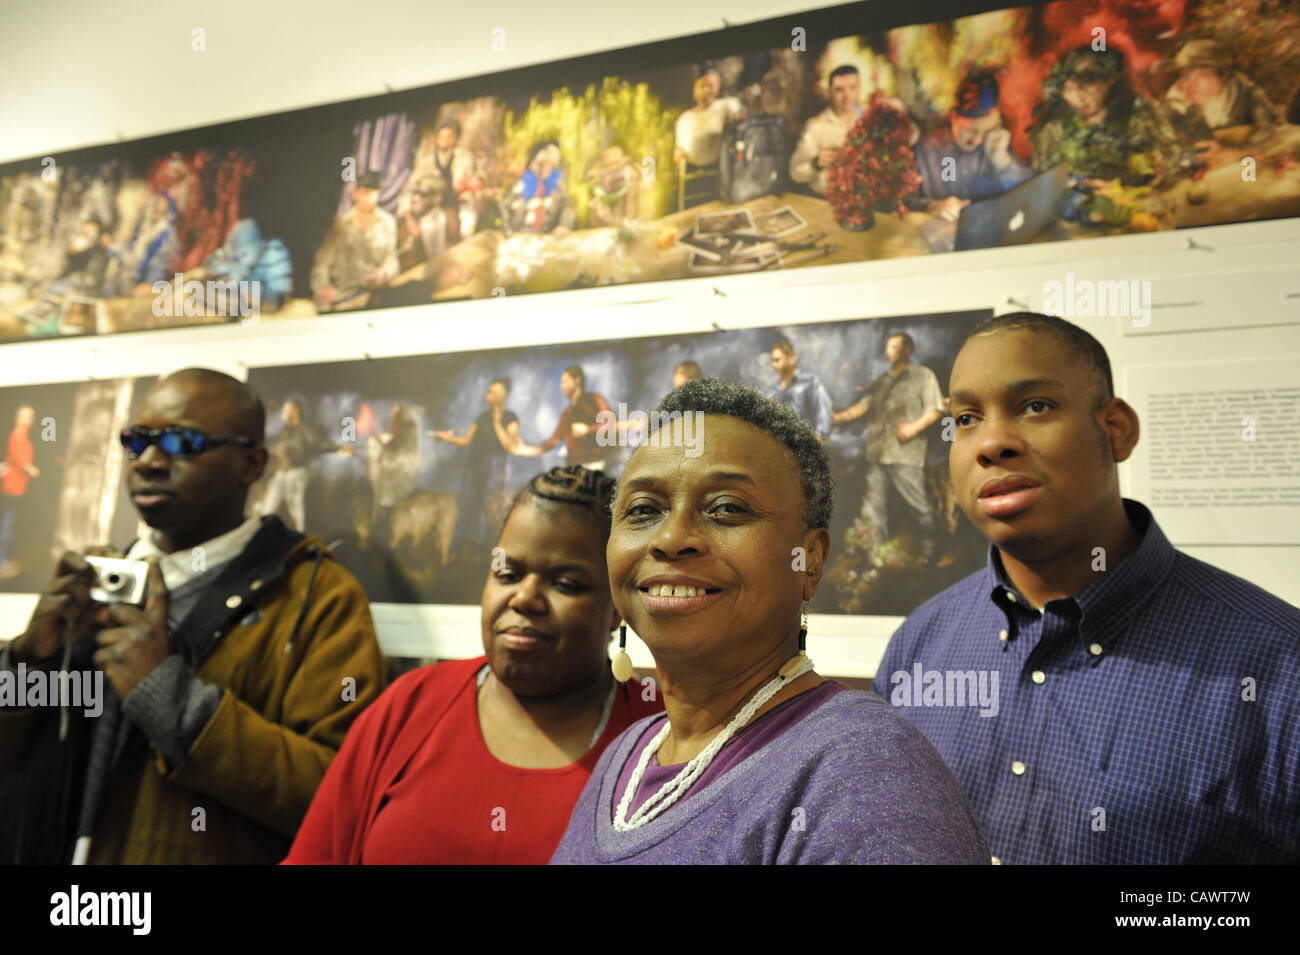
x=797, y=661
x=621, y=664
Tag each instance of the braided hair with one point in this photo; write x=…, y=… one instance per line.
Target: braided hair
x=575, y=486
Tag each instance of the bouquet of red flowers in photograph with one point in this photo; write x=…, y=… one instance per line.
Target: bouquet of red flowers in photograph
x=876, y=165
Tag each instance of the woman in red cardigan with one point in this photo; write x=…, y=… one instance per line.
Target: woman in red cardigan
x=481, y=761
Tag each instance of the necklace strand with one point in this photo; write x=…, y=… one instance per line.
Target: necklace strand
x=672, y=790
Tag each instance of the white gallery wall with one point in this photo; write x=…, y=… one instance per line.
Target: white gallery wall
x=128, y=68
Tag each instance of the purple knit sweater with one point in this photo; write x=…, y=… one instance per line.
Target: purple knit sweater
x=853, y=782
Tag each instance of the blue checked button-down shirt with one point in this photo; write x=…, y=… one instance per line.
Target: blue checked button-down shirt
x=806, y=397
x=1152, y=718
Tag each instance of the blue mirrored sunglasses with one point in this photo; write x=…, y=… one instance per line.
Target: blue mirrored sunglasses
x=174, y=442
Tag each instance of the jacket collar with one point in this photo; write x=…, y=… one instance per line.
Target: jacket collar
x=230, y=597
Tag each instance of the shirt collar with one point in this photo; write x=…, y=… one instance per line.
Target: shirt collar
x=182, y=566
x=1105, y=604
x=800, y=379
x=1002, y=592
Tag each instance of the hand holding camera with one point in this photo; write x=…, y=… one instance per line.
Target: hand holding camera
x=134, y=640
x=102, y=591
x=65, y=608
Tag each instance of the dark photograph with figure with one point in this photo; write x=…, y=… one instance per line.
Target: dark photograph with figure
x=407, y=466
x=36, y=421
x=62, y=476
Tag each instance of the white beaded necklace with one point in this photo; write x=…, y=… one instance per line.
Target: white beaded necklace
x=677, y=786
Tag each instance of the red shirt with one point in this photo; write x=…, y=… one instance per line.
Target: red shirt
x=414, y=782
x=586, y=410
x=21, y=454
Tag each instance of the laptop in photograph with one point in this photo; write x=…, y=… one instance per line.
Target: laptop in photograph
x=1014, y=217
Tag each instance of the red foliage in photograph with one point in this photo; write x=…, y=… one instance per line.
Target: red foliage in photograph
x=875, y=166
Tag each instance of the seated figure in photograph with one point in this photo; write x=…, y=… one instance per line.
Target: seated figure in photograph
x=422, y=228
x=454, y=165
x=615, y=183
x=1105, y=132
x=225, y=694
x=712, y=554
x=481, y=760
x=359, y=254
x=539, y=201
x=1147, y=705
x=824, y=134
x=1210, y=94
x=699, y=129
x=969, y=157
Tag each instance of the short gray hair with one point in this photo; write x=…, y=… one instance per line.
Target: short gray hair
x=715, y=396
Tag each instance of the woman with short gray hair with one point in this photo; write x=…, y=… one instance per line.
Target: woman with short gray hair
x=714, y=550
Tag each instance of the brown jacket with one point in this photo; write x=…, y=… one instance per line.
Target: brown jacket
x=257, y=762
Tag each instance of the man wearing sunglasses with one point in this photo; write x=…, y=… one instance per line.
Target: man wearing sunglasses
x=233, y=685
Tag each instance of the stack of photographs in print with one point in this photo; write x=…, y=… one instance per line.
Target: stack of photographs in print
x=738, y=241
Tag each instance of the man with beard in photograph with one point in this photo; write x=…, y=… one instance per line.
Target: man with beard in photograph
x=578, y=425
x=969, y=157
x=800, y=391
x=229, y=690
x=1147, y=704
x=900, y=405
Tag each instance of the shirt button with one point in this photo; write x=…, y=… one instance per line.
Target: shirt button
x=1095, y=649
x=1011, y=596
x=1018, y=768
x=1038, y=676
x=255, y=585
x=995, y=860
x=1002, y=635
x=233, y=601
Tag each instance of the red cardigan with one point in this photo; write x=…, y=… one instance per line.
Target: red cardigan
x=414, y=782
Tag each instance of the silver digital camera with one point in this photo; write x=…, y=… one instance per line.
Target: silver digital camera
x=118, y=581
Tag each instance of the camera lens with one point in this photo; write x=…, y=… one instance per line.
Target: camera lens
x=114, y=581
